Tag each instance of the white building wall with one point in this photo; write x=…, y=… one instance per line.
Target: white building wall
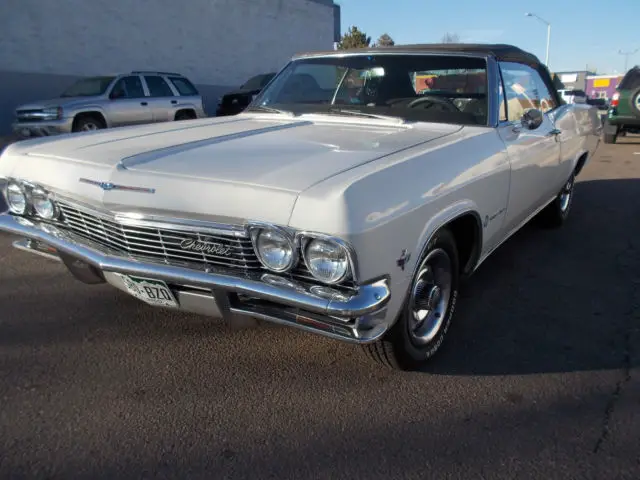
x=216, y=43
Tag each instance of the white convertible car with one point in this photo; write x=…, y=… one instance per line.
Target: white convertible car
x=348, y=200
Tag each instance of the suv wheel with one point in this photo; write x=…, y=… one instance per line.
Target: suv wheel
x=610, y=132
x=88, y=124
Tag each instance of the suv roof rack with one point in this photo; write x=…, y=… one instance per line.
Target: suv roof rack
x=155, y=72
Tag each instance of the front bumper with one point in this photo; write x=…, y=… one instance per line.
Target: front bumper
x=42, y=128
x=357, y=317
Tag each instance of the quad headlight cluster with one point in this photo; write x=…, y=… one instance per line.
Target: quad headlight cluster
x=24, y=198
x=328, y=259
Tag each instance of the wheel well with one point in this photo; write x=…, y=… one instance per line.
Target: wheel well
x=189, y=112
x=581, y=161
x=467, y=231
x=96, y=115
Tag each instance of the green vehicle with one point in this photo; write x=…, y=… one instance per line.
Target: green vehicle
x=623, y=115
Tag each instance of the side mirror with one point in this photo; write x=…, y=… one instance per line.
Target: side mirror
x=532, y=119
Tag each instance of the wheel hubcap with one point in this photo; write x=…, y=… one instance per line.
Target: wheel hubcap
x=89, y=126
x=565, y=195
x=430, y=297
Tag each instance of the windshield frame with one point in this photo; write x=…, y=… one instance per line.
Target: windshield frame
x=491, y=84
x=108, y=79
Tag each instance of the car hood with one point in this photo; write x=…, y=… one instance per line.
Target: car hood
x=55, y=102
x=272, y=153
x=265, y=161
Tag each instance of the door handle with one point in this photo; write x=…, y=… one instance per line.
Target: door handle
x=144, y=103
x=174, y=101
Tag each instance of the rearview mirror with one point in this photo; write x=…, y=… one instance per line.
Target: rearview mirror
x=532, y=119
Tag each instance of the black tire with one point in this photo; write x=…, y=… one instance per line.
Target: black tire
x=399, y=349
x=610, y=138
x=88, y=123
x=556, y=213
x=184, y=115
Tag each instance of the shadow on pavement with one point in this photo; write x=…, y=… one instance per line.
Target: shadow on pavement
x=555, y=300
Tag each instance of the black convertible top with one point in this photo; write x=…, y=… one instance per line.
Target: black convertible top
x=501, y=51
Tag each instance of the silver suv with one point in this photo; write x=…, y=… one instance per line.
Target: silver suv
x=112, y=101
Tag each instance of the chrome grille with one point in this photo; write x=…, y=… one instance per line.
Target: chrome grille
x=157, y=243
x=163, y=244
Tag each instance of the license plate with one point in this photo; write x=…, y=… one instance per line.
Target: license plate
x=153, y=292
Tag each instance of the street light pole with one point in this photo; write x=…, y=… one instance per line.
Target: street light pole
x=626, y=57
x=546, y=58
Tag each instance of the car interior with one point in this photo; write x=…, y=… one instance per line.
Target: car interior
x=444, y=91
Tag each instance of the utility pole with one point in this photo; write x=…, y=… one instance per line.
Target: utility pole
x=626, y=57
x=546, y=58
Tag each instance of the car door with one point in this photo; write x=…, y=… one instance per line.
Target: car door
x=534, y=153
x=128, y=104
x=162, y=100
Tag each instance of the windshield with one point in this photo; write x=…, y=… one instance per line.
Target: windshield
x=430, y=88
x=88, y=87
x=630, y=80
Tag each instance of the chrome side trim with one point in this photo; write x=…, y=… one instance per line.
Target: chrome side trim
x=324, y=301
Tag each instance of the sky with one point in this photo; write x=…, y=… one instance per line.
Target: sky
x=583, y=32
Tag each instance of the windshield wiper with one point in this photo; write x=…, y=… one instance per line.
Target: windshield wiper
x=264, y=108
x=359, y=113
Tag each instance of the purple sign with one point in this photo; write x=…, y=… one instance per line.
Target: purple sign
x=602, y=86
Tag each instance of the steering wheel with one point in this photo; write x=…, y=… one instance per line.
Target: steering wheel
x=448, y=104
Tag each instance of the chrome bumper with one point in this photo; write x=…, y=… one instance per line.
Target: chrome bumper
x=358, y=317
x=45, y=128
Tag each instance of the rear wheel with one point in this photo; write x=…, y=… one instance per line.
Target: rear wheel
x=184, y=115
x=610, y=137
x=426, y=315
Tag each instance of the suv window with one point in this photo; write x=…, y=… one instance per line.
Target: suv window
x=631, y=80
x=157, y=86
x=128, y=87
x=521, y=89
x=184, y=86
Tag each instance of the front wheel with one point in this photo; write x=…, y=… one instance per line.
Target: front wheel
x=426, y=315
x=556, y=213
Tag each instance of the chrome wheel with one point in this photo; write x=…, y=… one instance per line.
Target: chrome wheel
x=430, y=296
x=89, y=126
x=565, y=195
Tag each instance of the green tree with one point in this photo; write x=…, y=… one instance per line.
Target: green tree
x=354, y=38
x=450, y=38
x=385, y=40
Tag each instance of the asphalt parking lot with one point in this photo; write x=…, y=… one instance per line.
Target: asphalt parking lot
x=539, y=377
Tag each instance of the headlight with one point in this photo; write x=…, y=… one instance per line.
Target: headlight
x=16, y=199
x=327, y=260
x=274, y=249
x=42, y=204
x=52, y=113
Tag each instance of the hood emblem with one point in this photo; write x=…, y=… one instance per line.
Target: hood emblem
x=204, y=246
x=108, y=186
